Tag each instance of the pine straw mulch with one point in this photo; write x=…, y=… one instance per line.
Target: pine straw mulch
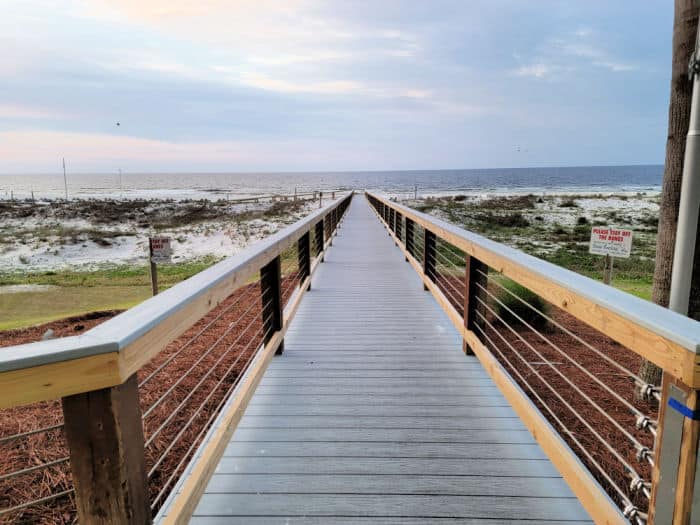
x=619, y=382
x=213, y=353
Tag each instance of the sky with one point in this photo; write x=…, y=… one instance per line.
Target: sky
x=331, y=85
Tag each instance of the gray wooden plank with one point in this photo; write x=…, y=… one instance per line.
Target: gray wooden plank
x=482, y=507
x=421, y=383
x=386, y=389
x=533, y=468
x=385, y=400
x=434, y=374
x=416, y=422
x=388, y=484
x=385, y=449
x=406, y=435
x=374, y=520
x=306, y=409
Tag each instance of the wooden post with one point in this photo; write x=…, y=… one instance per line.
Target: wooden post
x=674, y=475
x=154, y=268
x=410, y=247
x=429, y=248
x=304, y=257
x=271, y=292
x=398, y=225
x=473, y=277
x=319, y=238
x=106, y=447
x=683, y=512
x=329, y=230
x=608, y=269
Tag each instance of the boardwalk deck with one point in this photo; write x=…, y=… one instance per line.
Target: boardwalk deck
x=374, y=415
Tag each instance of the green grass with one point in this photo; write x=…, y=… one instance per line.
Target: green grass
x=76, y=292
x=18, y=310
x=123, y=275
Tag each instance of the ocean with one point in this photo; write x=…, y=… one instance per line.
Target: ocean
x=583, y=179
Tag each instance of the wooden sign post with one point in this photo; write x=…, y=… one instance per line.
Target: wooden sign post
x=159, y=251
x=611, y=242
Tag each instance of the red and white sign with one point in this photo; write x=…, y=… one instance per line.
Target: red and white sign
x=160, y=248
x=607, y=240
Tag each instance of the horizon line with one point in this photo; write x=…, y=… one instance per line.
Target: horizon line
x=311, y=172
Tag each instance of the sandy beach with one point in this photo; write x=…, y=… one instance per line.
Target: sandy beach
x=86, y=235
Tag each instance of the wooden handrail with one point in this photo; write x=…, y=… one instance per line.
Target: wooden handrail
x=668, y=339
x=110, y=353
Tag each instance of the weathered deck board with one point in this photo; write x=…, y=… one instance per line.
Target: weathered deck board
x=374, y=415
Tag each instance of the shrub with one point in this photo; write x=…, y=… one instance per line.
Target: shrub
x=519, y=308
x=568, y=203
x=509, y=220
x=581, y=221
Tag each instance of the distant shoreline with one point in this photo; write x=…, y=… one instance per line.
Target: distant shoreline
x=214, y=186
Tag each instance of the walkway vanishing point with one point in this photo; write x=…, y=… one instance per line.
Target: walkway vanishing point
x=373, y=414
x=367, y=364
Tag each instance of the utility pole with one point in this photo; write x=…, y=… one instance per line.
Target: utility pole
x=65, y=180
x=684, y=255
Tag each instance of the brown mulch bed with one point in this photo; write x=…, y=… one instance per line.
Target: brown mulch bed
x=615, y=379
x=618, y=381
x=191, y=378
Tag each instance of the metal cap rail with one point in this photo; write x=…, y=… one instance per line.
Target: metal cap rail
x=128, y=438
x=548, y=336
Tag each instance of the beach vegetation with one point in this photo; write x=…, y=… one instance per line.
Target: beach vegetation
x=517, y=305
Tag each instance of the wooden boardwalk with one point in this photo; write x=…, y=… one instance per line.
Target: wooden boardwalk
x=374, y=415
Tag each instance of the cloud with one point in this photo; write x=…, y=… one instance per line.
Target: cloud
x=262, y=81
x=538, y=70
x=41, y=151
x=574, y=51
x=594, y=55
x=19, y=112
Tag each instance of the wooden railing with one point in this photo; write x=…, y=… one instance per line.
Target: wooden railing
x=563, y=349
x=141, y=391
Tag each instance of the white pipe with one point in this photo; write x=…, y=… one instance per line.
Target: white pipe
x=686, y=232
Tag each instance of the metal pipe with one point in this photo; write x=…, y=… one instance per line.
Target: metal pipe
x=686, y=232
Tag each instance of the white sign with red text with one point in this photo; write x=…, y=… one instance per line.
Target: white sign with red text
x=608, y=240
x=161, y=251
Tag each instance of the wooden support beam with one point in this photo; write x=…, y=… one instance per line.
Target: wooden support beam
x=429, y=255
x=319, y=239
x=474, y=278
x=328, y=229
x=272, y=311
x=675, y=457
x=398, y=225
x=410, y=243
x=685, y=489
x=105, y=439
x=304, y=257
